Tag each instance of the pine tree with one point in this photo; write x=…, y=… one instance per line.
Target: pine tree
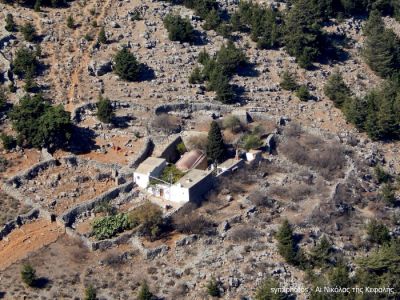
x=38, y=5
x=90, y=293
x=70, y=22
x=322, y=252
x=215, y=146
x=144, y=292
x=28, y=275
x=212, y=20
x=286, y=244
x=387, y=194
x=266, y=291
x=102, y=36
x=288, y=81
x=126, y=65
x=213, y=288
x=104, y=110
x=337, y=90
x=339, y=277
x=303, y=35
x=10, y=24
x=29, y=32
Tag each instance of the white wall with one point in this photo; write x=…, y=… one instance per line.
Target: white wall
x=142, y=180
x=179, y=194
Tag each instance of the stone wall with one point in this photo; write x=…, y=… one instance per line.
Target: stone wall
x=143, y=154
x=69, y=217
x=20, y=220
x=169, y=150
x=191, y=107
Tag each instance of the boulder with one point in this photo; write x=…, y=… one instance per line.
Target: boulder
x=99, y=68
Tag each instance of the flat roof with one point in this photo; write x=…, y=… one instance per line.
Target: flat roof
x=193, y=177
x=229, y=163
x=149, y=165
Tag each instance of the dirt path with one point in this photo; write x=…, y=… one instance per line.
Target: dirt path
x=74, y=90
x=26, y=239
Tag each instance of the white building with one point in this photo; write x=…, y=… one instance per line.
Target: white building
x=191, y=187
x=151, y=167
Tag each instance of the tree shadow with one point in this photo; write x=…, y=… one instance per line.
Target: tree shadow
x=198, y=39
x=122, y=121
x=146, y=73
x=239, y=92
x=2, y=295
x=42, y=282
x=82, y=141
x=333, y=48
x=248, y=70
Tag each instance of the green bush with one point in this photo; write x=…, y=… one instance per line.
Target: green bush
x=179, y=29
x=109, y=226
x=3, y=99
x=288, y=82
x=28, y=275
x=25, y=63
x=212, y=20
x=232, y=123
x=144, y=292
x=150, y=217
x=39, y=124
x=90, y=293
x=213, y=288
x=337, y=90
x=10, y=24
x=70, y=22
x=387, y=194
x=251, y=141
x=171, y=173
x=105, y=112
x=265, y=291
x=322, y=252
x=8, y=141
x=381, y=175
x=29, y=32
x=181, y=148
x=126, y=65
x=196, y=76
x=378, y=233
x=230, y=58
x=102, y=38
x=303, y=94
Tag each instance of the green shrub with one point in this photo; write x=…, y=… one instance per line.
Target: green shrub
x=25, y=63
x=171, y=174
x=251, y=141
x=213, y=288
x=196, y=76
x=387, y=194
x=28, y=275
x=8, y=141
x=265, y=291
x=39, y=124
x=303, y=94
x=127, y=66
x=337, y=90
x=150, y=217
x=212, y=20
x=232, y=123
x=144, y=292
x=378, y=233
x=322, y=252
x=10, y=24
x=381, y=175
x=3, y=99
x=102, y=38
x=286, y=244
x=105, y=112
x=181, y=148
x=288, y=82
x=90, y=293
x=179, y=29
x=70, y=22
x=230, y=58
x=109, y=226
x=29, y=32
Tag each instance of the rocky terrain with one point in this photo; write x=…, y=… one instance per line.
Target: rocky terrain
x=322, y=174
